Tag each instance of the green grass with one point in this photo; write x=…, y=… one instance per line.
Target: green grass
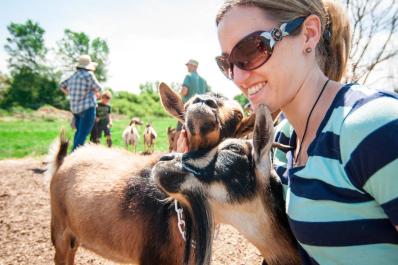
x=20, y=138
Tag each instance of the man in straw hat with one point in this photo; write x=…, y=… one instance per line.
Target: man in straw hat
x=83, y=89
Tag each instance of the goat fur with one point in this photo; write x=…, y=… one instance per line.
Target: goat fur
x=150, y=136
x=130, y=134
x=104, y=200
x=238, y=187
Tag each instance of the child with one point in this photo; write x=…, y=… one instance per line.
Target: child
x=103, y=121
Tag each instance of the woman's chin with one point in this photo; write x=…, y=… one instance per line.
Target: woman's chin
x=254, y=105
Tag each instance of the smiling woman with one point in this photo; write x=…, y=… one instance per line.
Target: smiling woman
x=339, y=179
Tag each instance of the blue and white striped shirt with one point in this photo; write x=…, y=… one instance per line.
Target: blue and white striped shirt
x=81, y=87
x=343, y=204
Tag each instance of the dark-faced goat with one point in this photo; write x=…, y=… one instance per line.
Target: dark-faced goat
x=233, y=183
x=104, y=200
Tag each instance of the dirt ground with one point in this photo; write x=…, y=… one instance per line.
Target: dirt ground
x=25, y=219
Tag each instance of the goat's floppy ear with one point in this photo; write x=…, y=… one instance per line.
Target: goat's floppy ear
x=246, y=126
x=172, y=102
x=263, y=135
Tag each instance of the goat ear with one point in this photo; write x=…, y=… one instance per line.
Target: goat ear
x=263, y=135
x=172, y=102
x=246, y=126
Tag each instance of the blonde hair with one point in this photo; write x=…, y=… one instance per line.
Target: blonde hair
x=106, y=94
x=332, y=50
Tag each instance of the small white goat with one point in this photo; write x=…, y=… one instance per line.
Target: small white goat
x=130, y=134
x=150, y=136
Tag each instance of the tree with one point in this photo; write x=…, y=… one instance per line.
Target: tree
x=32, y=83
x=374, y=24
x=30, y=89
x=25, y=47
x=74, y=44
x=4, y=86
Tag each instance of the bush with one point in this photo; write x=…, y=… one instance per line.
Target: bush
x=145, y=104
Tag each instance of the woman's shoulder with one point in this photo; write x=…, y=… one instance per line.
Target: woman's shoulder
x=357, y=106
x=372, y=116
x=367, y=106
x=355, y=96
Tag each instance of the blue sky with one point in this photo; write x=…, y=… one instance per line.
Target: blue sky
x=149, y=39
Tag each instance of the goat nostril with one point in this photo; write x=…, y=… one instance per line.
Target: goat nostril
x=211, y=103
x=167, y=157
x=197, y=100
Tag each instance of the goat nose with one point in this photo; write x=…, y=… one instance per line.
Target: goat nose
x=198, y=99
x=167, y=157
x=208, y=101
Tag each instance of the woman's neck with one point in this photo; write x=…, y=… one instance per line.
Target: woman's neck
x=298, y=110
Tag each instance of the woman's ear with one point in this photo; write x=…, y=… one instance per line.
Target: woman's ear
x=312, y=32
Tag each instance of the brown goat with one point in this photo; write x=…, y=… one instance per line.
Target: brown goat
x=150, y=136
x=171, y=137
x=104, y=200
x=234, y=183
x=207, y=118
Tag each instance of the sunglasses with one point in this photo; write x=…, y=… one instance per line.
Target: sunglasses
x=255, y=49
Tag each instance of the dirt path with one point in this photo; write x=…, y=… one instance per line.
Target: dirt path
x=25, y=219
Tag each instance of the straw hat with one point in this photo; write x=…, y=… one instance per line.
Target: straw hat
x=86, y=63
x=192, y=62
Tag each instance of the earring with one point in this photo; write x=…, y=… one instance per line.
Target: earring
x=308, y=50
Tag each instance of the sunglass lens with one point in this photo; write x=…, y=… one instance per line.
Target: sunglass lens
x=225, y=66
x=251, y=52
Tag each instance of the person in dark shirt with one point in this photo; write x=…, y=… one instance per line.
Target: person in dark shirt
x=103, y=121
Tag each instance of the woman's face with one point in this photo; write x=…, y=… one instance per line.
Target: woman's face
x=277, y=81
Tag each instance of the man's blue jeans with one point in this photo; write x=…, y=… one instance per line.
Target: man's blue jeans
x=84, y=122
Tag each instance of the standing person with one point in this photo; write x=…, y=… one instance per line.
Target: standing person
x=83, y=89
x=193, y=84
x=103, y=120
x=340, y=181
